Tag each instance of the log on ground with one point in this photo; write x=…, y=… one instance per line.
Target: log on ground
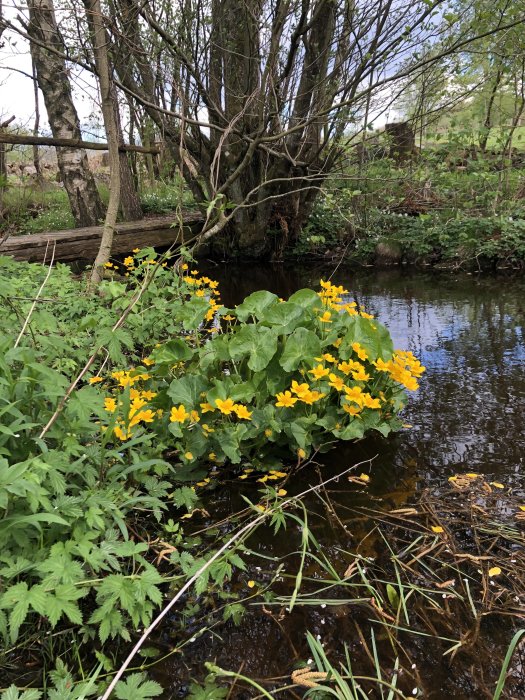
x=83, y=243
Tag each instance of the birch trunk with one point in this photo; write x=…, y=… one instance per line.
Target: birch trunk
x=53, y=80
x=107, y=97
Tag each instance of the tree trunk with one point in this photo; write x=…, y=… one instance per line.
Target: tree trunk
x=36, y=127
x=53, y=80
x=109, y=108
x=487, y=123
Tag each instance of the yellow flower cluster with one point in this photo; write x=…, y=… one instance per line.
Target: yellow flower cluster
x=331, y=295
x=179, y=414
x=137, y=412
x=204, y=287
x=298, y=392
x=403, y=368
x=128, y=378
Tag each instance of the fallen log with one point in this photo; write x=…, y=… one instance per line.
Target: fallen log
x=83, y=243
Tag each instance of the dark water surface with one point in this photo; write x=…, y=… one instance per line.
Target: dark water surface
x=469, y=415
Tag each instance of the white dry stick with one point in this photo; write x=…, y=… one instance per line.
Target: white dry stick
x=33, y=305
x=205, y=566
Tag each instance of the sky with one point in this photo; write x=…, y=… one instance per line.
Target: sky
x=16, y=89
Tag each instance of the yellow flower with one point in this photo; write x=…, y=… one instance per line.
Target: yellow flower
x=184, y=266
x=199, y=293
x=299, y=389
x=337, y=343
x=336, y=382
x=282, y=492
x=148, y=395
x=365, y=315
x=242, y=412
x=95, y=380
x=382, y=366
x=269, y=432
x=178, y=415
x=494, y=571
x=229, y=317
x=148, y=361
x=360, y=351
x=225, y=406
x=108, y=265
x=301, y=453
x=360, y=375
x=278, y=474
x=207, y=408
x=352, y=410
x=136, y=250
x=250, y=584
x=369, y=402
x=326, y=317
x=285, y=399
x=328, y=357
x=207, y=428
x=188, y=455
x=194, y=415
x=146, y=416
x=437, y=529
x=311, y=397
x=194, y=273
x=129, y=261
x=354, y=393
x=364, y=477
x=319, y=372
x=212, y=456
x=121, y=434
x=110, y=404
x=347, y=367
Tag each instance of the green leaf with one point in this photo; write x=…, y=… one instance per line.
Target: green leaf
x=193, y=312
x=371, y=334
x=307, y=298
x=301, y=345
x=393, y=596
x=187, y=390
x=176, y=350
x=12, y=693
x=285, y=316
x=255, y=305
x=260, y=344
x=352, y=431
x=137, y=687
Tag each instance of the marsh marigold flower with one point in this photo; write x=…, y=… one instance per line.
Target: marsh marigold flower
x=336, y=382
x=178, y=415
x=242, y=412
x=285, y=399
x=319, y=372
x=360, y=351
x=299, y=389
x=225, y=406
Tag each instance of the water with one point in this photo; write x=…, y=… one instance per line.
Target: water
x=467, y=416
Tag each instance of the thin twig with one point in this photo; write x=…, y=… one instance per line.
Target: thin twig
x=33, y=305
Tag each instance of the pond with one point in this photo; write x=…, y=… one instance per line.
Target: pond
x=468, y=416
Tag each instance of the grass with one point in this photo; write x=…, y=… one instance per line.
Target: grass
x=31, y=209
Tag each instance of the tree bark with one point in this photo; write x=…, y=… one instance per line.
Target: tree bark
x=53, y=80
x=107, y=96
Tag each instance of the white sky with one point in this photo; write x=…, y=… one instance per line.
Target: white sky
x=16, y=89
